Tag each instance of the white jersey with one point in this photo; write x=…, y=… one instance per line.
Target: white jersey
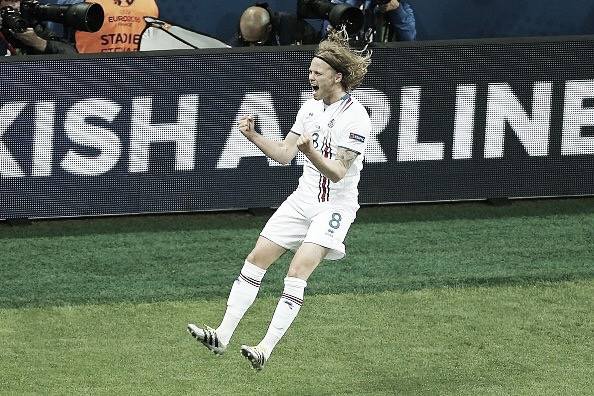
x=344, y=123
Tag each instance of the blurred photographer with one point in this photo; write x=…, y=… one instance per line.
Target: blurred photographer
x=385, y=20
x=121, y=30
x=259, y=25
x=27, y=40
x=394, y=20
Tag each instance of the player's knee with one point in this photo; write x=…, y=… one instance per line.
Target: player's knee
x=258, y=259
x=252, y=257
x=265, y=253
x=296, y=271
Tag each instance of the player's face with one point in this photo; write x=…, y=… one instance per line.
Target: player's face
x=325, y=81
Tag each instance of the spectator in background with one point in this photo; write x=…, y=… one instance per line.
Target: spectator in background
x=122, y=26
x=258, y=25
x=33, y=41
x=389, y=20
x=395, y=21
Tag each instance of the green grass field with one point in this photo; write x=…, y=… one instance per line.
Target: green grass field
x=460, y=299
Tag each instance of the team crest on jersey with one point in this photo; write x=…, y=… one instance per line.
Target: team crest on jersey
x=356, y=137
x=123, y=3
x=331, y=123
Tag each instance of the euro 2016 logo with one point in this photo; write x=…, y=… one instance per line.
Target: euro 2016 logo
x=123, y=3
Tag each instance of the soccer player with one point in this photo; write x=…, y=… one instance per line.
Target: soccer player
x=332, y=130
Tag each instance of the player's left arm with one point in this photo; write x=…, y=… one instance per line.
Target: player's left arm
x=334, y=169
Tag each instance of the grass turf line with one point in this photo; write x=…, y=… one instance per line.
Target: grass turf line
x=521, y=340
x=196, y=256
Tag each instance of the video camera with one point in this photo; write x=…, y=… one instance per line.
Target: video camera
x=339, y=15
x=87, y=17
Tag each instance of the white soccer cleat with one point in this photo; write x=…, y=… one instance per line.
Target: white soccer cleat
x=255, y=355
x=208, y=337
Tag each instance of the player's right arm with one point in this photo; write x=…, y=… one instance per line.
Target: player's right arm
x=282, y=152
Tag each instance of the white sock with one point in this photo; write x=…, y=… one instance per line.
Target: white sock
x=286, y=311
x=242, y=295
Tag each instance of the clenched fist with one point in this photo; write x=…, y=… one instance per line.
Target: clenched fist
x=304, y=144
x=246, y=125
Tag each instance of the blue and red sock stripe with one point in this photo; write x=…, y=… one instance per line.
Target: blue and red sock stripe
x=293, y=299
x=249, y=280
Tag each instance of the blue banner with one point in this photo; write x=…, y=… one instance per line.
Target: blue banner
x=157, y=132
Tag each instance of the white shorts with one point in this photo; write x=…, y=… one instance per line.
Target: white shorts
x=297, y=221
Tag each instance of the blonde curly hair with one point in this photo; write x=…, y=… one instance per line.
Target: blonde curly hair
x=352, y=64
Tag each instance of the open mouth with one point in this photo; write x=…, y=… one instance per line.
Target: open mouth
x=315, y=88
